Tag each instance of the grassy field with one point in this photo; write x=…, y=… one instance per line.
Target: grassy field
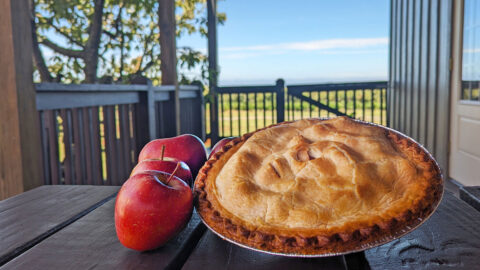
x=239, y=116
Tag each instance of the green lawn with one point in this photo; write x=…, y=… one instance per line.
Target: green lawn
x=237, y=118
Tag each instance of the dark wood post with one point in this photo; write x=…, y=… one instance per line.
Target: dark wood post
x=142, y=121
x=200, y=102
x=152, y=112
x=20, y=144
x=280, y=100
x=212, y=67
x=168, y=54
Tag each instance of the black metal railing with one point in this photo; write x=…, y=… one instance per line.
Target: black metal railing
x=365, y=101
x=242, y=109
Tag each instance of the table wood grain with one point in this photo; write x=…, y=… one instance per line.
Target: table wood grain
x=73, y=228
x=28, y=218
x=450, y=239
x=214, y=253
x=91, y=242
x=471, y=195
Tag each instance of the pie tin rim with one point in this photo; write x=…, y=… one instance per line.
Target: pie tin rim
x=364, y=246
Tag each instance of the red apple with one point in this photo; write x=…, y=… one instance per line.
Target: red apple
x=187, y=148
x=151, y=208
x=167, y=165
x=219, y=145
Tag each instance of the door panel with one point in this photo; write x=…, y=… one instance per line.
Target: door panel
x=465, y=104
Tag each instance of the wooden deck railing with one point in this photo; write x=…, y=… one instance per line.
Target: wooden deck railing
x=92, y=133
x=243, y=109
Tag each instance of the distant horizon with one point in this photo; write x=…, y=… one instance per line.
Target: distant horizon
x=291, y=81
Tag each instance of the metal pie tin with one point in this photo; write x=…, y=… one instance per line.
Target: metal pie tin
x=398, y=233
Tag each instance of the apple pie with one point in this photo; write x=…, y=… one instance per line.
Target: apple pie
x=317, y=186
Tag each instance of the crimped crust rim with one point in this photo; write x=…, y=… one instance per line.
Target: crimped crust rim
x=329, y=242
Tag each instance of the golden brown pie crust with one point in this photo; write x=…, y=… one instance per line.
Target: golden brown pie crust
x=317, y=238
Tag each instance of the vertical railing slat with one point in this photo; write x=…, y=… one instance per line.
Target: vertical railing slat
x=372, y=104
x=133, y=135
x=222, y=121
x=53, y=146
x=363, y=104
x=78, y=146
x=273, y=108
x=67, y=147
x=248, y=118
x=256, y=114
x=231, y=113
x=125, y=141
x=264, y=110
x=355, y=103
x=239, y=115
x=45, y=158
x=86, y=117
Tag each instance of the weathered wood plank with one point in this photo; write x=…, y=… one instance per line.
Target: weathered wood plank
x=29, y=218
x=52, y=131
x=471, y=195
x=64, y=100
x=110, y=146
x=450, y=238
x=68, y=167
x=20, y=144
x=87, y=127
x=45, y=158
x=96, y=147
x=214, y=253
x=52, y=87
x=78, y=148
x=125, y=142
x=91, y=242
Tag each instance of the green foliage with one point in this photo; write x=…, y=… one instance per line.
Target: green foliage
x=129, y=44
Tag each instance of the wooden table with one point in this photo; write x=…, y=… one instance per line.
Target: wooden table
x=72, y=227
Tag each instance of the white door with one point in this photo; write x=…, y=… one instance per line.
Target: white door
x=464, y=165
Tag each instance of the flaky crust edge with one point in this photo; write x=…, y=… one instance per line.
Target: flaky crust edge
x=347, y=239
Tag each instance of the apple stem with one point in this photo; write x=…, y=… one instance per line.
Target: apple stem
x=173, y=173
x=163, y=151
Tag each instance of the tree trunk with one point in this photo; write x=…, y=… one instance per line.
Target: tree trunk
x=168, y=57
x=38, y=59
x=93, y=43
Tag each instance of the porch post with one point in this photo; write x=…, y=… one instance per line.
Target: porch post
x=20, y=148
x=280, y=100
x=212, y=67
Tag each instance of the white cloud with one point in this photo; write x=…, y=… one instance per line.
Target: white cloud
x=474, y=50
x=314, y=45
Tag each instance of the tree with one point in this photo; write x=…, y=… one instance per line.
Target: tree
x=86, y=46
x=168, y=55
x=114, y=40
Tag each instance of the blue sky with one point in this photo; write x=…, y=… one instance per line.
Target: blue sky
x=301, y=41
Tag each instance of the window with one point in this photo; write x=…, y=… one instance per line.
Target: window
x=471, y=51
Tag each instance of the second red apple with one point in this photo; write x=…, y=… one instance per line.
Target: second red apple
x=187, y=147
x=167, y=165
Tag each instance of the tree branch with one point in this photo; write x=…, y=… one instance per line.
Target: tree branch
x=110, y=34
x=93, y=42
x=71, y=39
x=145, y=68
x=62, y=50
x=95, y=29
x=38, y=59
